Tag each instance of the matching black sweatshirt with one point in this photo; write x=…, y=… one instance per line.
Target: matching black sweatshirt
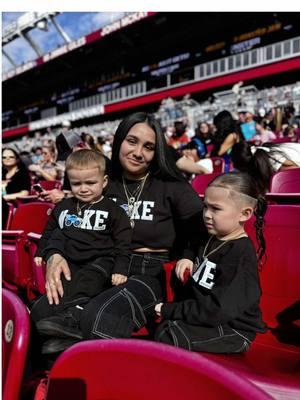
x=102, y=230
x=224, y=290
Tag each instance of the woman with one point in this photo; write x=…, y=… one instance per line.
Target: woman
x=226, y=135
x=263, y=161
x=15, y=176
x=159, y=203
x=47, y=169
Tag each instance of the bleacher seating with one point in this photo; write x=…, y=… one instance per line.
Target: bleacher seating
x=200, y=182
x=15, y=342
x=287, y=181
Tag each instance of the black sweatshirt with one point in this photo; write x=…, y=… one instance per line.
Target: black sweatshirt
x=102, y=230
x=226, y=291
x=166, y=211
x=169, y=215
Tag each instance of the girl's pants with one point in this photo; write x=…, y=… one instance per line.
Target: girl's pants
x=219, y=339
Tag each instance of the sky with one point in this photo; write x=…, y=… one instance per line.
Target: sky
x=75, y=24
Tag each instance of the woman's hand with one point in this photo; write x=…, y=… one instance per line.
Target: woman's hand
x=183, y=265
x=38, y=261
x=34, y=168
x=157, y=309
x=56, y=265
x=54, y=195
x=118, y=279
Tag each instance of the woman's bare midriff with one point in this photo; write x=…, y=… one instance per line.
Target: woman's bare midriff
x=148, y=249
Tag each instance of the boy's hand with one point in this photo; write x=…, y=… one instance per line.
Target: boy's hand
x=118, y=279
x=183, y=265
x=157, y=309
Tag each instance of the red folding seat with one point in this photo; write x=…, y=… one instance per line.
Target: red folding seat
x=16, y=259
x=218, y=164
x=287, y=181
x=131, y=369
x=15, y=341
x=200, y=182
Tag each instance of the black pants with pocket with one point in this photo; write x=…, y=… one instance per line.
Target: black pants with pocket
x=219, y=339
x=87, y=281
x=123, y=309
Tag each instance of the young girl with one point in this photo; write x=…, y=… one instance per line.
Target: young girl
x=219, y=308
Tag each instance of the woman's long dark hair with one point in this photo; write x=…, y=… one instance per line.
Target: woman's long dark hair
x=225, y=124
x=257, y=164
x=243, y=183
x=21, y=165
x=163, y=165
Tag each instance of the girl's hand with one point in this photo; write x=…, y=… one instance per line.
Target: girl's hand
x=183, y=265
x=118, y=279
x=158, y=309
x=56, y=265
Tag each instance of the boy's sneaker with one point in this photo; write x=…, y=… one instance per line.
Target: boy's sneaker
x=57, y=345
x=63, y=324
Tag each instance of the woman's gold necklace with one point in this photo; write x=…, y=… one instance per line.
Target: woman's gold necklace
x=133, y=198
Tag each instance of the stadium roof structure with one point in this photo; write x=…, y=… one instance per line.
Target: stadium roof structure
x=144, y=41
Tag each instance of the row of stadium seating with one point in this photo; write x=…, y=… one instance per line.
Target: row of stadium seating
x=270, y=369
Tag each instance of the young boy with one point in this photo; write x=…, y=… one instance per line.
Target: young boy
x=90, y=246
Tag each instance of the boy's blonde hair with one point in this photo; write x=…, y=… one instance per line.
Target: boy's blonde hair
x=86, y=158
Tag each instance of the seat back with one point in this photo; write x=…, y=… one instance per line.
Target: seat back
x=15, y=341
x=10, y=214
x=280, y=276
x=218, y=164
x=38, y=273
x=287, y=181
x=142, y=370
x=49, y=185
x=31, y=217
x=200, y=182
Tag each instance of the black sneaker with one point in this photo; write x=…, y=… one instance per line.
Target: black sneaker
x=60, y=325
x=57, y=345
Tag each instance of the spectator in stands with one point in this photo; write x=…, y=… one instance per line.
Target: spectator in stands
x=290, y=133
x=196, y=151
x=248, y=128
x=47, y=169
x=179, y=137
x=37, y=154
x=162, y=208
x=263, y=133
x=263, y=161
x=89, y=141
x=92, y=241
x=204, y=133
x=15, y=175
x=218, y=310
x=226, y=135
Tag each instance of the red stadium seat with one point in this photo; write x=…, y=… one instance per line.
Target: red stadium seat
x=273, y=361
x=200, y=182
x=218, y=164
x=38, y=273
x=15, y=341
x=49, y=185
x=16, y=259
x=11, y=210
x=134, y=369
x=283, y=198
x=287, y=181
